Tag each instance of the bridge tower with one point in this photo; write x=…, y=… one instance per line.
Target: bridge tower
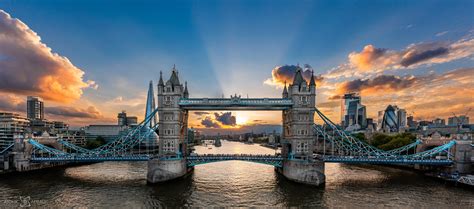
x=172, y=120
x=297, y=135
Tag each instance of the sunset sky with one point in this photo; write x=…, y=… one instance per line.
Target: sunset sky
x=91, y=59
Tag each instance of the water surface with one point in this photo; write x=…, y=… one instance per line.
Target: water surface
x=230, y=183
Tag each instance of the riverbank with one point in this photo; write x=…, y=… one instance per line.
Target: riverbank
x=43, y=169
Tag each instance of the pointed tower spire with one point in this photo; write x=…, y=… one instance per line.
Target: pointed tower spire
x=186, y=93
x=150, y=107
x=174, y=80
x=312, y=82
x=298, y=79
x=285, y=91
x=160, y=82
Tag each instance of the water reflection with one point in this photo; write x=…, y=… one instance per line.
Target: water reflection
x=230, y=183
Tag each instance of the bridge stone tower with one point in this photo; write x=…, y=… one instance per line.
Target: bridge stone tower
x=173, y=126
x=297, y=134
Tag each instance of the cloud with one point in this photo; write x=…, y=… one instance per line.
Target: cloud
x=285, y=73
x=373, y=60
x=419, y=53
x=328, y=104
x=200, y=113
x=378, y=83
x=442, y=33
x=426, y=96
x=12, y=103
x=29, y=67
x=217, y=120
x=226, y=118
x=209, y=123
x=370, y=57
x=60, y=111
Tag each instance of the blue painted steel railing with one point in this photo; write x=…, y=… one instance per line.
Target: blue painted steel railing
x=351, y=160
x=263, y=159
x=78, y=158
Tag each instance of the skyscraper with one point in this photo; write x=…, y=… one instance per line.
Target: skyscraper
x=353, y=113
x=393, y=119
x=34, y=108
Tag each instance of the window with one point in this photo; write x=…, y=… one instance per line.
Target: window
x=302, y=147
x=168, y=89
x=304, y=98
x=167, y=98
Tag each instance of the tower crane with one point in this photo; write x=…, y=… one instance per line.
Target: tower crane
x=461, y=120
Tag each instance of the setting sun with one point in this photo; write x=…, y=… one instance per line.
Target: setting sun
x=241, y=120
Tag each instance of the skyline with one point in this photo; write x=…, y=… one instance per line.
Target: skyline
x=98, y=71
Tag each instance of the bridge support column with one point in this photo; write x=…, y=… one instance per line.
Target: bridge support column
x=165, y=170
x=305, y=172
x=462, y=157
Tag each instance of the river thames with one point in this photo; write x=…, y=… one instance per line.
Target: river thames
x=231, y=183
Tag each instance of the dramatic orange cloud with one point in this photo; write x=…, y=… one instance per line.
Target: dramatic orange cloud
x=372, y=58
x=427, y=96
x=375, y=60
x=29, y=67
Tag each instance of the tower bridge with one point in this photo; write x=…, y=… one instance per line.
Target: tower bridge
x=169, y=117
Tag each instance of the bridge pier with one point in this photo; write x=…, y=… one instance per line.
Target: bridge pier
x=462, y=157
x=164, y=170
x=304, y=172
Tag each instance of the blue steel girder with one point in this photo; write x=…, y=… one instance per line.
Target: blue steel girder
x=235, y=103
x=349, y=144
x=344, y=146
x=43, y=148
x=360, y=147
x=74, y=147
x=10, y=146
x=69, y=158
x=401, y=161
x=262, y=159
x=125, y=139
x=405, y=148
x=86, y=155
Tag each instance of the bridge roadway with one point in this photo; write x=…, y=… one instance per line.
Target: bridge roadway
x=274, y=160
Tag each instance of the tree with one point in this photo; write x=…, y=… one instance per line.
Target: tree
x=386, y=142
x=380, y=139
x=360, y=136
x=97, y=142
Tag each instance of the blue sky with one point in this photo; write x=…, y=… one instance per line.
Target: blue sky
x=231, y=46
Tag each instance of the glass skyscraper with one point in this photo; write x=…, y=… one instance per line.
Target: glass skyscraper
x=353, y=113
x=393, y=119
